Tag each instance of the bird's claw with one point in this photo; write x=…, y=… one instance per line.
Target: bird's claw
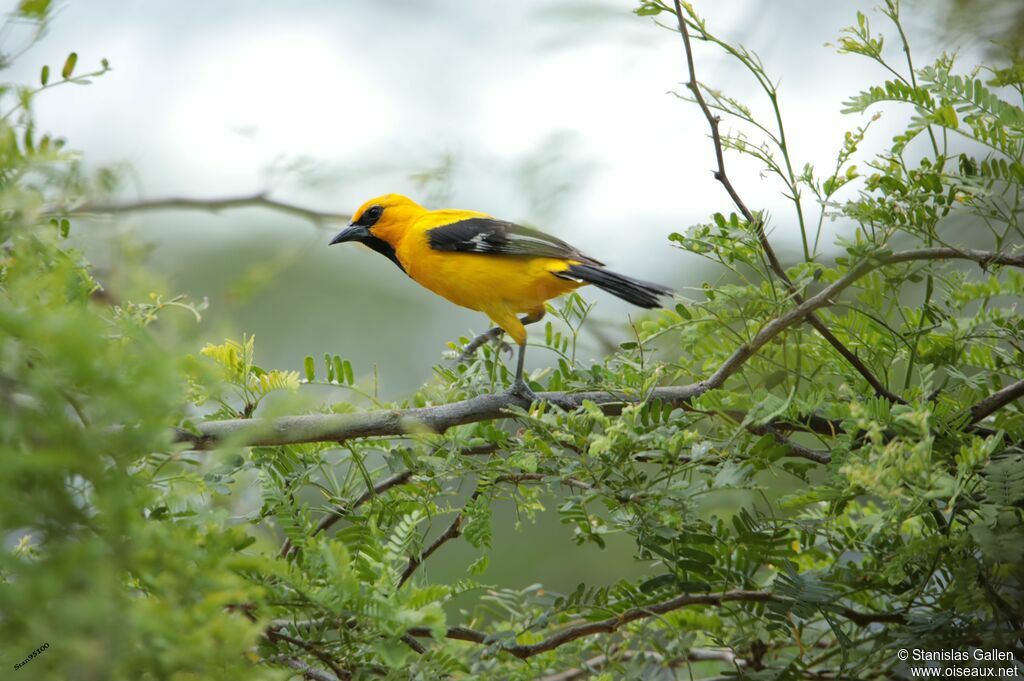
x=492, y=335
x=523, y=392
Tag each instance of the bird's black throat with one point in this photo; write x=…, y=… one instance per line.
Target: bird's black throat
x=382, y=247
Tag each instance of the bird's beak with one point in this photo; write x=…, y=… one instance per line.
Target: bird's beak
x=350, y=233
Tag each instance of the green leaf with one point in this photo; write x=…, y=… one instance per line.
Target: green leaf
x=69, y=65
x=44, y=76
x=479, y=566
x=243, y=543
x=310, y=367
x=34, y=9
x=1004, y=481
x=477, y=529
x=946, y=116
x=648, y=10
x=657, y=583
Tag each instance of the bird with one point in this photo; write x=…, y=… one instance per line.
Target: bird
x=485, y=264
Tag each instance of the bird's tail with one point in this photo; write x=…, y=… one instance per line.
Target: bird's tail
x=640, y=293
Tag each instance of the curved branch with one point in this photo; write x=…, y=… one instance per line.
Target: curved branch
x=758, y=224
x=275, y=635
x=454, y=529
x=439, y=418
x=341, y=510
x=612, y=624
x=795, y=448
x=258, y=200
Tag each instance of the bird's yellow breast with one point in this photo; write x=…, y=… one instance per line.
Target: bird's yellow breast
x=484, y=282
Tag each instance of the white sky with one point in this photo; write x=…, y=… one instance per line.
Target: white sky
x=204, y=96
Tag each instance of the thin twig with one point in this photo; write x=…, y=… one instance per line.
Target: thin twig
x=77, y=407
x=593, y=664
x=275, y=635
x=454, y=529
x=297, y=624
x=311, y=673
x=341, y=510
x=612, y=624
x=257, y=200
x=413, y=643
x=795, y=449
x=758, y=225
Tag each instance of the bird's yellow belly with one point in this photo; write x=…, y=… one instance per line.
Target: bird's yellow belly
x=484, y=282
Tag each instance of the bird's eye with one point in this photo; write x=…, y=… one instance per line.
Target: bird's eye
x=370, y=216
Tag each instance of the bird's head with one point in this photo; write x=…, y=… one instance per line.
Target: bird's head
x=380, y=224
x=383, y=219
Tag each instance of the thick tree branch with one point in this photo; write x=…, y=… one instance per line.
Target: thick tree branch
x=758, y=225
x=439, y=418
x=612, y=624
x=997, y=401
x=258, y=200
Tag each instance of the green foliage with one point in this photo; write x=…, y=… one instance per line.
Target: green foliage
x=249, y=382
x=823, y=524
x=104, y=562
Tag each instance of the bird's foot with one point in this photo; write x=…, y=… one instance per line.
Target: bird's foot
x=489, y=336
x=501, y=346
x=523, y=392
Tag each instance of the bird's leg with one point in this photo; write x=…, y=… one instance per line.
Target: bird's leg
x=519, y=387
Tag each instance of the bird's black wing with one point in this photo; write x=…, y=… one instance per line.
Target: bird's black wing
x=487, y=235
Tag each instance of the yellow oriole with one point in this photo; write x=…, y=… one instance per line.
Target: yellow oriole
x=488, y=265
